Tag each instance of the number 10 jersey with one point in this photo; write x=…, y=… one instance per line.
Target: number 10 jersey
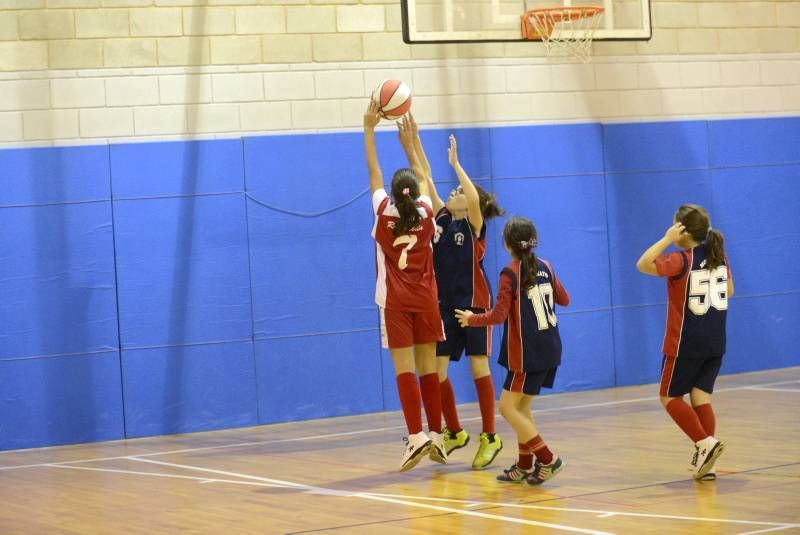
x=697, y=304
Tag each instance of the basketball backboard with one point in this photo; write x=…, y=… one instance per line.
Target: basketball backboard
x=470, y=21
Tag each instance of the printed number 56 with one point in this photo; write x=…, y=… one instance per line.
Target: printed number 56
x=409, y=240
x=708, y=289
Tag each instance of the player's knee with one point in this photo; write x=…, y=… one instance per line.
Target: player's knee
x=665, y=401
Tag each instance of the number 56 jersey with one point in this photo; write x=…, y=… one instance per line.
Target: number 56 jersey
x=406, y=279
x=697, y=304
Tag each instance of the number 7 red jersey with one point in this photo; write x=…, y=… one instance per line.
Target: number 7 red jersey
x=406, y=280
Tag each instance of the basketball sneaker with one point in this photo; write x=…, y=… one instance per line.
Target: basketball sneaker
x=437, y=451
x=543, y=472
x=710, y=475
x=491, y=444
x=515, y=474
x=454, y=440
x=417, y=446
x=708, y=451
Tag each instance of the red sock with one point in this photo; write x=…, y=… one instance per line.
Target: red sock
x=686, y=419
x=432, y=401
x=525, y=457
x=540, y=449
x=410, y=401
x=449, y=406
x=706, y=416
x=485, y=389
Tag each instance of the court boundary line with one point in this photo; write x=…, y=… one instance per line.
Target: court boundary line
x=402, y=499
x=358, y=432
x=368, y=496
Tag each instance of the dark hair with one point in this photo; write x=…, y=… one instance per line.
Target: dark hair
x=488, y=201
x=520, y=236
x=698, y=226
x=405, y=179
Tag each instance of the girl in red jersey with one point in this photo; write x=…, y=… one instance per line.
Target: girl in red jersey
x=459, y=248
x=406, y=291
x=699, y=283
x=531, y=346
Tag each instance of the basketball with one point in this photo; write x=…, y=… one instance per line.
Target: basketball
x=393, y=98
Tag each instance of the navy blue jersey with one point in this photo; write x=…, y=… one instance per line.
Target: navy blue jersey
x=458, y=262
x=698, y=304
x=531, y=341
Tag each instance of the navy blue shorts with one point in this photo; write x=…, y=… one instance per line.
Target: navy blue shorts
x=474, y=341
x=530, y=383
x=680, y=375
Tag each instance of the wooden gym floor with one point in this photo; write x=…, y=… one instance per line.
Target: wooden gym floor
x=625, y=474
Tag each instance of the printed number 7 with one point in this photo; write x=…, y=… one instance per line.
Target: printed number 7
x=410, y=240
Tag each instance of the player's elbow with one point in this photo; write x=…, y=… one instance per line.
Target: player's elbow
x=648, y=268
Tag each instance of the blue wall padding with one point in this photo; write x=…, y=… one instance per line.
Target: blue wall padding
x=474, y=153
x=642, y=147
x=299, y=284
x=533, y=151
x=758, y=210
x=177, y=168
x=315, y=376
x=641, y=208
x=762, y=333
x=57, y=292
x=638, y=335
x=182, y=270
x=189, y=388
x=587, y=360
x=741, y=142
x=241, y=272
x=60, y=400
x=569, y=214
x=54, y=175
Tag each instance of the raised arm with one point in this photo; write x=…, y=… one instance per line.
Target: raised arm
x=371, y=120
x=474, y=214
x=437, y=202
x=647, y=262
x=407, y=141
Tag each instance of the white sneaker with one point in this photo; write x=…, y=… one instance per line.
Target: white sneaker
x=416, y=447
x=438, y=452
x=693, y=462
x=708, y=451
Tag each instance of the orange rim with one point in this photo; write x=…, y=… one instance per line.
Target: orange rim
x=561, y=14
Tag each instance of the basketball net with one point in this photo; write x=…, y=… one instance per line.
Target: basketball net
x=565, y=31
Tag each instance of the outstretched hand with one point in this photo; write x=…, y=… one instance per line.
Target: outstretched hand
x=452, y=152
x=405, y=133
x=675, y=232
x=413, y=125
x=463, y=316
x=372, y=116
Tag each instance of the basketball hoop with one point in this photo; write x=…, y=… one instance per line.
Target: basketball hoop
x=565, y=31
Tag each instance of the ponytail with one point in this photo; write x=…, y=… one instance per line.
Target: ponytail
x=520, y=236
x=715, y=249
x=698, y=225
x=488, y=203
x=409, y=216
x=528, y=269
x=405, y=190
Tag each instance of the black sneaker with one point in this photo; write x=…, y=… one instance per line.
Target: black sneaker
x=515, y=474
x=543, y=472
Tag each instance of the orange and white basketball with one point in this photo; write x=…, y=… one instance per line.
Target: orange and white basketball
x=393, y=97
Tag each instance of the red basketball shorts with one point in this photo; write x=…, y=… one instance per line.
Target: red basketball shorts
x=405, y=329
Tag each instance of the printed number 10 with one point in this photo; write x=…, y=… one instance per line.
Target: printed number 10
x=541, y=296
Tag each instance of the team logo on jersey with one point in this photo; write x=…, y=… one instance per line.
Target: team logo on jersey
x=459, y=238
